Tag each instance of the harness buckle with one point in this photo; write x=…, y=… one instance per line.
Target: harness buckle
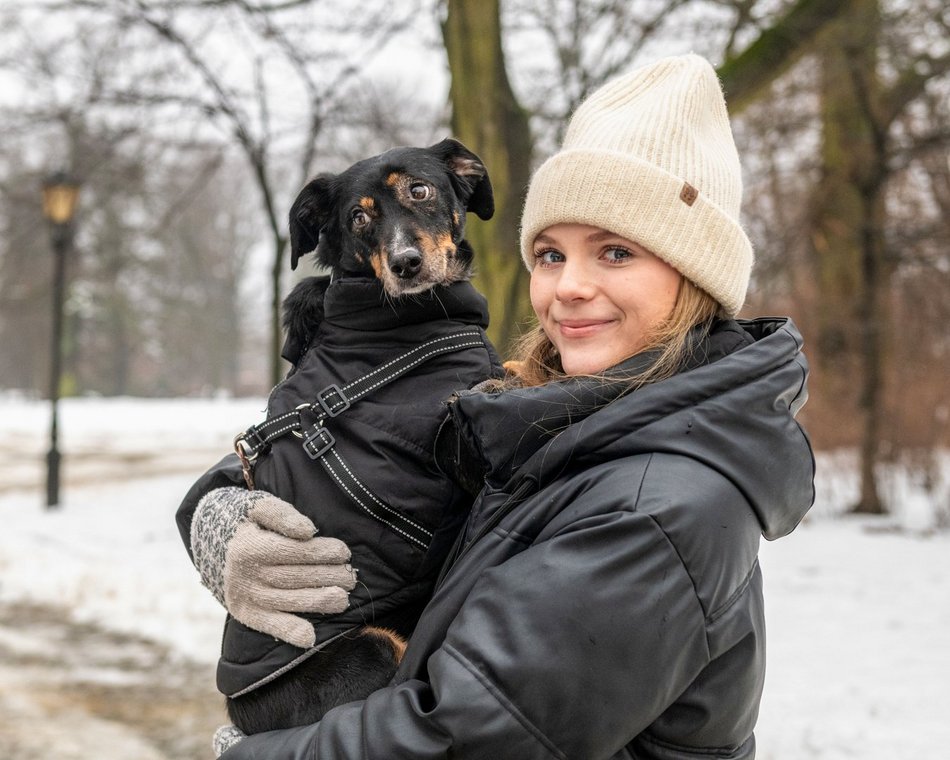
x=247, y=449
x=338, y=407
x=319, y=442
x=247, y=455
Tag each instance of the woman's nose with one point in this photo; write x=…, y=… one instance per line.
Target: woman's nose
x=574, y=282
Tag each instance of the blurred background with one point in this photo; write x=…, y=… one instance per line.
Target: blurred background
x=189, y=125
x=150, y=151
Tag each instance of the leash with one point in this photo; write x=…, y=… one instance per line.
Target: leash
x=319, y=442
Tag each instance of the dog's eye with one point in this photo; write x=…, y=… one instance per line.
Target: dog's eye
x=419, y=191
x=359, y=218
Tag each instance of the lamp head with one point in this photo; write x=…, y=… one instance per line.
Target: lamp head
x=60, y=193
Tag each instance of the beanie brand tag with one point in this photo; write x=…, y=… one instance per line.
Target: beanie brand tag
x=688, y=194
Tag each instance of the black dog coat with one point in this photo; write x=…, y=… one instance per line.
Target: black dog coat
x=386, y=439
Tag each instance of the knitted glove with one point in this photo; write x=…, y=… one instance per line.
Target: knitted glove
x=225, y=738
x=259, y=557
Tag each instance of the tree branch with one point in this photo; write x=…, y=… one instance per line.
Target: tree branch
x=911, y=83
x=744, y=76
x=225, y=105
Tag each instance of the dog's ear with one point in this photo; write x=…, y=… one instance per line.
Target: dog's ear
x=309, y=213
x=302, y=315
x=469, y=177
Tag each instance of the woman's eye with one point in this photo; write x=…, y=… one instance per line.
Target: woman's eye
x=419, y=191
x=359, y=218
x=617, y=254
x=548, y=257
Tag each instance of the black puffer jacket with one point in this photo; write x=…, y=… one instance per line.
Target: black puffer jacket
x=608, y=600
x=385, y=440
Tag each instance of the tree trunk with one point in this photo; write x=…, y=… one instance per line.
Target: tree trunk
x=488, y=119
x=277, y=369
x=847, y=233
x=853, y=270
x=875, y=317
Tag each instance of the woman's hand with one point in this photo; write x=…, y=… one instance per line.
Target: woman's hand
x=259, y=557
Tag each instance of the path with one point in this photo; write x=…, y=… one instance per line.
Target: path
x=73, y=691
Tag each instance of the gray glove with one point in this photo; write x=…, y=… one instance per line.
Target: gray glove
x=259, y=557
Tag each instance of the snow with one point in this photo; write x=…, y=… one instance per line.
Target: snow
x=858, y=649
x=858, y=608
x=111, y=551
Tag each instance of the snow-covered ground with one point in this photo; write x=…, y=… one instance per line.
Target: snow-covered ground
x=858, y=609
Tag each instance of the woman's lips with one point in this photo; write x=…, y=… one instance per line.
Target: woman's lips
x=582, y=328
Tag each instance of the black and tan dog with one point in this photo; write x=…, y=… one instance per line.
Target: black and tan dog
x=399, y=216
x=396, y=219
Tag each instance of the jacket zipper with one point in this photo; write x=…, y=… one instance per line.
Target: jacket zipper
x=458, y=551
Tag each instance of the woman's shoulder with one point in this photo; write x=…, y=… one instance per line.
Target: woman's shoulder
x=674, y=481
x=658, y=483
x=704, y=515
x=709, y=521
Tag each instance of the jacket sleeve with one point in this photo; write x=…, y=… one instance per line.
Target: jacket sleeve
x=227, y=472
x=567, y=650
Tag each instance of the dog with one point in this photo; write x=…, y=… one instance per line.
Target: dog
x=398, y=216
x=398, y=219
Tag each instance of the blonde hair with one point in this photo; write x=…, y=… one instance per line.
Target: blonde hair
x=539, y=362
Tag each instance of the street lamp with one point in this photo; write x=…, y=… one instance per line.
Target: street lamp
x=60, y=194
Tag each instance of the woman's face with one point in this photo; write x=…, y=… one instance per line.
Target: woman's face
x=598, y=295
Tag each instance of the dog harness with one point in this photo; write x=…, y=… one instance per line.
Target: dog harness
x=365, y=398
x=308, y=422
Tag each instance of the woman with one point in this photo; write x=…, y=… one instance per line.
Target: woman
x=605, y=599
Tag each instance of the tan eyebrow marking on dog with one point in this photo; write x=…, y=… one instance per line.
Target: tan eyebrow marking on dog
x=455, y=217
x=394, y=178
x=367, y=203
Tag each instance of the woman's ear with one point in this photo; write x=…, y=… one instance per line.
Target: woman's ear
x=469, y=177
x=308, y=215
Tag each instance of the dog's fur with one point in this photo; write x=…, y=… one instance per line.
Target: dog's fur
x=398, y=217
x=348, y=669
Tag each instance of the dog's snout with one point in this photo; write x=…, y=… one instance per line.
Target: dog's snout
x=406, y=264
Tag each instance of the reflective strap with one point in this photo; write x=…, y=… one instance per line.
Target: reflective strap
x=333, y=400
x=257, y=438
x=399, y=366
x=320, y=445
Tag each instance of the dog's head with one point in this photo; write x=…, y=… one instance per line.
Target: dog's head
x=399, y=216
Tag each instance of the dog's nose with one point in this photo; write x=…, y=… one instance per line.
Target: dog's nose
x=406, y=264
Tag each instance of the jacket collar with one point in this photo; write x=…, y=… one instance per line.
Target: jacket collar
x=358, y=303
x=507, y=428
x=734, y=400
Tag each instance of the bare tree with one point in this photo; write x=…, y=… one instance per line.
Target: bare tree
x=135, y=188
x=578, y=45
x=278, y=33
x=268, y=76
x=488, y=118
x=876, y=62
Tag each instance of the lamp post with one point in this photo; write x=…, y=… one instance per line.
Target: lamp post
x=60, y=194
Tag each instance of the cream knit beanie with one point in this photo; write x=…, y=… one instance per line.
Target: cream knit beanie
x=650, y=156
